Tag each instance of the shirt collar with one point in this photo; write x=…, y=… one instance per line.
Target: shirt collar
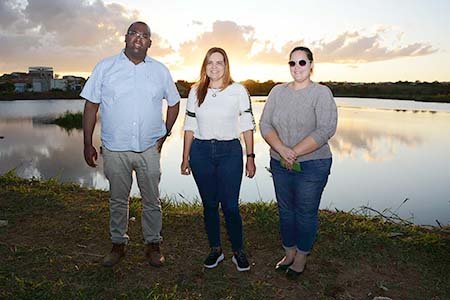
x=122, y=56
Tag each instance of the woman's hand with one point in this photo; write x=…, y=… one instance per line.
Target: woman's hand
x=250, y=167
x=288, y=155
x=185, y=167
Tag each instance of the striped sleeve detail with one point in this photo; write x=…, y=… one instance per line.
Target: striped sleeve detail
x=190, y=114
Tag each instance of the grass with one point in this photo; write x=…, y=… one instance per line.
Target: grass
x=69, y=121
x=57, y=234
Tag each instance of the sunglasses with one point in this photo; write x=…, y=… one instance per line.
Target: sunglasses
x=301, y=63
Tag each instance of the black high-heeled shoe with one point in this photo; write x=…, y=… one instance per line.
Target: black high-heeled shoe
x=292, y=274
x=282, y=267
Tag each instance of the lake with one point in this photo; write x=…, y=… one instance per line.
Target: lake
x=389, y=155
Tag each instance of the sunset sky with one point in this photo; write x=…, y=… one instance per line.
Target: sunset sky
x=358, y=41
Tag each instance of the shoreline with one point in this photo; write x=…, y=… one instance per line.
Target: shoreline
x=374, y=97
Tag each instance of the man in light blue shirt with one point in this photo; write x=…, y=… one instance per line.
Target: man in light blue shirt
x=129, y=89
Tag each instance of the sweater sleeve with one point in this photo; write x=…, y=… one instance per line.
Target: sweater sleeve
x=246, y=119
x=326, y=117
x=190, y=120
x=265, y=122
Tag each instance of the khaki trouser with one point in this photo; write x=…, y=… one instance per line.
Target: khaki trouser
x=118, y=168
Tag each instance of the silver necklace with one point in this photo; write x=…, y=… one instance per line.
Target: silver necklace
x=214, y=92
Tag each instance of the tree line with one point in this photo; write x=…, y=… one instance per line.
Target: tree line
x=402, y=90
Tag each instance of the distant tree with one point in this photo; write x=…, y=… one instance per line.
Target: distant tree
x=7, y=87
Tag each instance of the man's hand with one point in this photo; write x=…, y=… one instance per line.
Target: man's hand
x=90, y=155
x=160, y=142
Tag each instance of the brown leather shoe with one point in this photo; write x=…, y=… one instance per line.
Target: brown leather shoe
x=153, y=255
x=117, y=252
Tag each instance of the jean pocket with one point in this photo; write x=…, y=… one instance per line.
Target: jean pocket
x=316, y=169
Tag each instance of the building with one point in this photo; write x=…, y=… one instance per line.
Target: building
x=74, y=83
x=41, y=78
x=59, y=84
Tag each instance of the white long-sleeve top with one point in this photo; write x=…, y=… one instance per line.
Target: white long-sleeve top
x=223, y=117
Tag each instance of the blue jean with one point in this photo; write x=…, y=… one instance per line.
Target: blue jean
x=298, y=197
x=217, y=168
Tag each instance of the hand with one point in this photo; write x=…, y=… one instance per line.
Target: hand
x=160, y=142
x=185, y=167
x=288, y=155
x=250, y=167
x=90, y=155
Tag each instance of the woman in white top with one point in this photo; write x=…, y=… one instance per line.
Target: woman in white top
x=218, y=110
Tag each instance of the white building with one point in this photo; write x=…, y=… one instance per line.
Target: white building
x=42, y=77
x=58, y=84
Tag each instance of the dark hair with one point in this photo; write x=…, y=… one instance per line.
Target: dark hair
x=203, y=83
x=308, y=52
x=142, y=23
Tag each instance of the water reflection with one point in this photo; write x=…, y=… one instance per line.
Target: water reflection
x=381, y=157
x=372, y=135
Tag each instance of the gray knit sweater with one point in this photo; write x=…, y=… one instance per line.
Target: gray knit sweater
x=297, y=114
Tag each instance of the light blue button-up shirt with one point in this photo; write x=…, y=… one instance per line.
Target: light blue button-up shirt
x=130, y=98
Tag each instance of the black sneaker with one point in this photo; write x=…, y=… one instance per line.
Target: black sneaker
x=240, y=260
x=213, y=259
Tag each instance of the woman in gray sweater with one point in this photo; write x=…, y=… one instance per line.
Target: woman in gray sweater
x=299, y=118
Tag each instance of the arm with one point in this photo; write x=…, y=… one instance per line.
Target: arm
x=187, y=142
x=305, y=146
x=250, y=167
x=171, y=117
x=89, y=120
x=268, y=131
x=276, y=144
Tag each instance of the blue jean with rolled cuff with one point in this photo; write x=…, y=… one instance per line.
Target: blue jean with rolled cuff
x=298, y=196
x=217, y=167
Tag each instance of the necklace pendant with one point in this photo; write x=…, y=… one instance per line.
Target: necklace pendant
x=214, y=94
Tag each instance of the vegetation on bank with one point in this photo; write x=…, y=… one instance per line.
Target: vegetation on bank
x=56, y=234
x=402, y=90
x=69, y=121
x=54, y=94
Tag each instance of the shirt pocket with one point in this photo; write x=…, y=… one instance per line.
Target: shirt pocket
x=108, y=91
x=151, y=88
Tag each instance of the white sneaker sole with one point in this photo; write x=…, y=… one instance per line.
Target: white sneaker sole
x=237, y=266
x=219, y=259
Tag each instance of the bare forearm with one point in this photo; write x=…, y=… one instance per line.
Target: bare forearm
x=187, y=142
x=248, y=140
x=171, y=117
x=89, y=120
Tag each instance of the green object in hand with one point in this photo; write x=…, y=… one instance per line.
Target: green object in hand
x=296, y=167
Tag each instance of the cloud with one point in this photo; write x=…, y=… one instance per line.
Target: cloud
x=69, y=35
x=348, y=48
x=353, y=47
x=72, y=35
x=9, y=13
x=237, y=41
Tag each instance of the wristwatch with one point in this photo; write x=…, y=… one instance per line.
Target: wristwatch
x=252, y=155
